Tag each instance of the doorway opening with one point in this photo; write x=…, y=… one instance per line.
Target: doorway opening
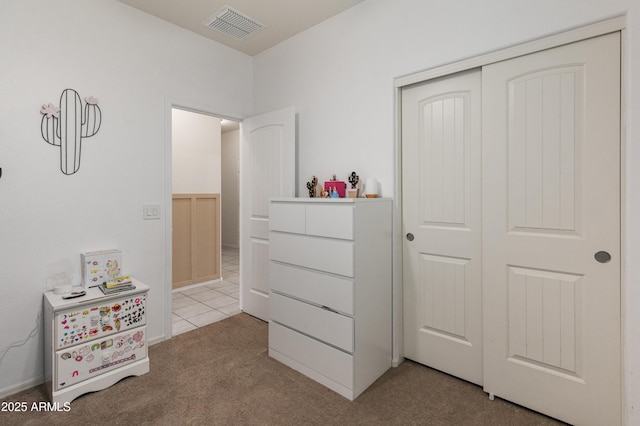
x=202, y=218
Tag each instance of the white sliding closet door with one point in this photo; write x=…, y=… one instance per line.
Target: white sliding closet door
x=551, y=231
x=511, y=226
x=441, y=156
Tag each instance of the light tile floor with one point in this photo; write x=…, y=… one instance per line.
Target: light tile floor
x=205, y=304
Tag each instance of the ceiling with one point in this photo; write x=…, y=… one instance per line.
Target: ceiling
x=282, y=18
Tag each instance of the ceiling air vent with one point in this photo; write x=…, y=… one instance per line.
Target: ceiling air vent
x=233, y=23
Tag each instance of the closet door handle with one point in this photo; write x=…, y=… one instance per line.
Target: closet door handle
x=602, y=257
x=410, y=236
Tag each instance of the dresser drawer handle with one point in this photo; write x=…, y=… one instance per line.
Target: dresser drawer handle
x=333, y=311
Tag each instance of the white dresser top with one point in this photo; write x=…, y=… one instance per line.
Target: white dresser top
x=93, y=294
x=329, y=200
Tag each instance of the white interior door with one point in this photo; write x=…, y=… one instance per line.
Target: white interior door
x=551, y=197
x=441, y=185
x=267, y=170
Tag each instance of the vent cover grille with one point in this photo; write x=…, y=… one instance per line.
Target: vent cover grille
x=233, y=23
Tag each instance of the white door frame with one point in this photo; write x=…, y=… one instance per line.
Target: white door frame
x=171, y=103
x=593, y=30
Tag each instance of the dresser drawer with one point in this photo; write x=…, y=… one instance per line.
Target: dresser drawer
x=287, y=217
x=315, y=287
x=101, y=319
x=325, y=360
x=330, y=220
x=91, y=359
x=334, y=256
x=322, y=324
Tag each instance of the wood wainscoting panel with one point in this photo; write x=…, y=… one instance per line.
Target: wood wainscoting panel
x=196, y=238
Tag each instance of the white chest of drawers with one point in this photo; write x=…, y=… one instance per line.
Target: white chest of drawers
x=330, y=279
x=93, y=341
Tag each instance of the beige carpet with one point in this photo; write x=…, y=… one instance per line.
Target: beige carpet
x=221, y=374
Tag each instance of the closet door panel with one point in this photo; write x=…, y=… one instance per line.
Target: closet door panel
x=551, y=209
x=441, y=178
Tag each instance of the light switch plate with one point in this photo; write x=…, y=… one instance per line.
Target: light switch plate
x=150, y=211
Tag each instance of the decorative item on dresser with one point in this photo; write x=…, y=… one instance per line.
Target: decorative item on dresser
x=93, y=341
x=330, y=279
x=336, y=188
x=312, y=187
x=353, y=180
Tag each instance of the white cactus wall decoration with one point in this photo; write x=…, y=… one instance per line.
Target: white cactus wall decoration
x=65, y=126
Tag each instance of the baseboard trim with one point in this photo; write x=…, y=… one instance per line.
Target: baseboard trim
x=155, y=340
x=187, y=287
x=21, y=387
x=395, y=362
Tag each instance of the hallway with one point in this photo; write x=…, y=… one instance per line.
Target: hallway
x=204, y=304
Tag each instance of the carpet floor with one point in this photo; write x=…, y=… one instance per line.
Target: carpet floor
x=221, y=374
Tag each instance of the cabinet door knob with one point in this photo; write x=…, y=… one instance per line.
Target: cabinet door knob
x=410, y=236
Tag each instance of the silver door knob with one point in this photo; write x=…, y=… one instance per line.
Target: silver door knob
x=602, y=257
x=410, y=236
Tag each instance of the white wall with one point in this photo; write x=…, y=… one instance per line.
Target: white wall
x=133, y=63
x=230, y=189
x=339, y=75
x=196, y=157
